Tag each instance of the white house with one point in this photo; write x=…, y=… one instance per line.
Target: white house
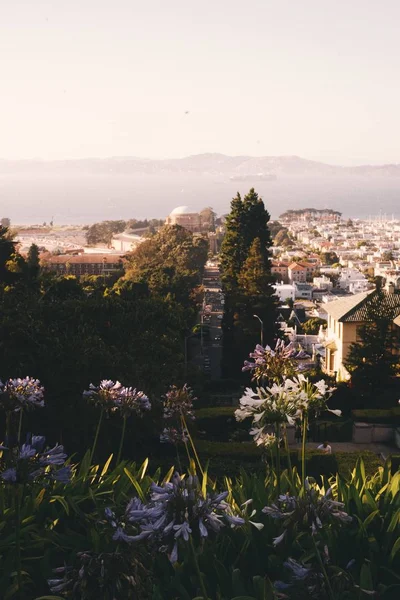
x=284, y=291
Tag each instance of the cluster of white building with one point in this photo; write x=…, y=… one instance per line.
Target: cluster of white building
x=364, y=249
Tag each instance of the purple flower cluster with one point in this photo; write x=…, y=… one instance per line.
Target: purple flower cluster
x=179, y=402
x=32, y=461
x=19, y=394
x=132, y=401
x=303, y=580
x=177, y=510
x=99, y=574
x=310, y=511
x=271, y=364
x=172, y=435
x=178, y=409
x=113, y=397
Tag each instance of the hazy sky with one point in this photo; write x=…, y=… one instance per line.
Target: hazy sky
x=316, y=78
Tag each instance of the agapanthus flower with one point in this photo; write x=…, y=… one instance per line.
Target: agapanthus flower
x=179, y=402
x=177, y=509
x=178, y=409
x=267, y=405
x=107, y=575
x=283, y=403
x=105, y=395
x=271, y=364
x=263, y=438
x=113, y=397
x=31, y=462
x=304, y=582
x=131, y=401
x=172, y=435
x=309, y=511
x=21, y=394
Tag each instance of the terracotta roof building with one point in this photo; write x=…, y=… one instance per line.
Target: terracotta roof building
x=83, y=264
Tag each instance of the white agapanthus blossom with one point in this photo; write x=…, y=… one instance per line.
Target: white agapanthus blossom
x=280, y=404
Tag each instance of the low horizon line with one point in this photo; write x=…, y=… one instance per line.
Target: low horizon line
x=145, y=158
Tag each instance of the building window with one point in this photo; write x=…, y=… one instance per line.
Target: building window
x=359, y=333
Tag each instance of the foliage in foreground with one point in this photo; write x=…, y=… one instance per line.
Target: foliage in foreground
x=74, y=527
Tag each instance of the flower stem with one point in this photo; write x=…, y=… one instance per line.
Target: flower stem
x=324, y=573
x=8, y=428
x=18, y=539
x=20, y=425
x=97, y=435
x=278, y=456
x=121, y=443
x=289, y=460
x=303, y=453
x=178, y=459
x=192, y=444
x=199, y=574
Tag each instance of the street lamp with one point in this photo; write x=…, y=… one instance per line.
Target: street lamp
x=261, y=331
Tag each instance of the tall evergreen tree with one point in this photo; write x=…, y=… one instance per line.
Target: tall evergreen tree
x=255, y=277
x=233, y=247
x=256, y=222
x=246, y=278
x=33, y=262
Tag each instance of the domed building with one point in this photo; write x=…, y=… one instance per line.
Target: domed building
x=182, y=216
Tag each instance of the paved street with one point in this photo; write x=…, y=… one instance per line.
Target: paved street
x=212, y=343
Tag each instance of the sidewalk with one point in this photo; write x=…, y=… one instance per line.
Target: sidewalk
x=381, y=449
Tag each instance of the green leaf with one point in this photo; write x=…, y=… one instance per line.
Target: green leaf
x=62, y=501
x=395, y=520
x=366, y=578
x=135, y=484
x=370, y=518
x=263, y=588
x=143, y=469
x=107, y=464
x=395, y=549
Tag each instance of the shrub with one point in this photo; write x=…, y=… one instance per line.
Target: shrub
x=377, y=415
x=321, y=465
x=219, y=423
x=347, y=461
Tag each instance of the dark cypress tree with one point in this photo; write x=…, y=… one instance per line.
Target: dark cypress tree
x=33, y=262
x=247, y=280
x=256, y=223
x=233, y=247
x=255, y=277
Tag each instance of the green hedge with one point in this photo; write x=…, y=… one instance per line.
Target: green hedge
x=347, y=462
x=377, y=415
x=219, y=424
x=226, y=458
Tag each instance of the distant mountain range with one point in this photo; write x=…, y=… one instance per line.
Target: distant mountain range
x=219, y=165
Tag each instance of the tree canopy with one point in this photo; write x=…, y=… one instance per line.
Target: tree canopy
x=246, y=278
